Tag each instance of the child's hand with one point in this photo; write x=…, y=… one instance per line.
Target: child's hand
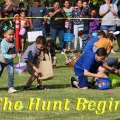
x=16, y=15
x=36, y=70
x=116, y=71
x=40, y=74
x=19, y=55
x=101, y=75
x=14, y=55
x=113, y=69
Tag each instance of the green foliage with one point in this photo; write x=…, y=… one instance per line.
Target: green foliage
x=2, y=1
x=59, y=90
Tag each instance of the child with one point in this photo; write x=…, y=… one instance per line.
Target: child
x=86, y=15
x=31, y=57
x=85, y=38
x=68, y=23
x=87, y=66
x=90, y=44
x=23, y=28
x=7, y=54
x=93, y=24
x=112, y=64
x=106, y=43
x=68, y=12
x=78, y=24
x=51, y=49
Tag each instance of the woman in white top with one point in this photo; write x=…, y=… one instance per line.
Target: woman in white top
x=108, y=11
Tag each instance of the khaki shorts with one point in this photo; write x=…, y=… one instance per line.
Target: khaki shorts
x=30, y=70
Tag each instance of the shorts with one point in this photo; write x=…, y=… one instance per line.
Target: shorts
x=30, y=70
x=22, y=32
x=108, y=27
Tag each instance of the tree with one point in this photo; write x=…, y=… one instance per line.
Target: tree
x=2, y=1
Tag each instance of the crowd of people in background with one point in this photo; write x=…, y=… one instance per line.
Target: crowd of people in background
x=69, y=24
x=90, y=35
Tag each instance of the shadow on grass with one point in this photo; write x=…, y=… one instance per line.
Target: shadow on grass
x=61, y=66
x=116, y=85
x=34, y=88
x=2, y=89
x=58, y=86
x=117, y=119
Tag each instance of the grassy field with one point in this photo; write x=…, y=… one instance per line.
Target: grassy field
x=59, y=90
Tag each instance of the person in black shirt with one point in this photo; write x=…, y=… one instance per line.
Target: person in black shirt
x=9, y=7
x=57, y=25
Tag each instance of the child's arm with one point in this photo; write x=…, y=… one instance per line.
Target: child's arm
x=89, y=74
x=112, y=69
x=4, y=52
x=108, y=67
x=109, y=50
x=34, y=68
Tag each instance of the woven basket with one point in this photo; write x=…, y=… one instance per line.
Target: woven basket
x=72, y=63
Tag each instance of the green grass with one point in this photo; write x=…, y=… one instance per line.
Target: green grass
x=59, y=90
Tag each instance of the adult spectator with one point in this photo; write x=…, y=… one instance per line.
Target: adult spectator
x=57, y=25
x=0, y=13
x=37, y=24
x=108, y=12
x=117, y=2
x=21, y=7
x=0, y=24
x=9, y=7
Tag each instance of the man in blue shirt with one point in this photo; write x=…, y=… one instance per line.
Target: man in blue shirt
x=89, y=46
x=87, y=66
x=37, y=24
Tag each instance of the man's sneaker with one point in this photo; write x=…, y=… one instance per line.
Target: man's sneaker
x=72, y=81
x=26, y=88
x=11, y=90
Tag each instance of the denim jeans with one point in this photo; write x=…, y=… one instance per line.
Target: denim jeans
x=10, y=69
x=41, y=28
x=60, y=33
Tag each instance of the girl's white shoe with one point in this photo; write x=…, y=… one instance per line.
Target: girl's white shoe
x=11, y=90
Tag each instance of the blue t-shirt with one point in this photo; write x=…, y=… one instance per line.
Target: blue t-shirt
x=89, y=46
x=37, y=12
x=86, y=62
x=31, y=54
